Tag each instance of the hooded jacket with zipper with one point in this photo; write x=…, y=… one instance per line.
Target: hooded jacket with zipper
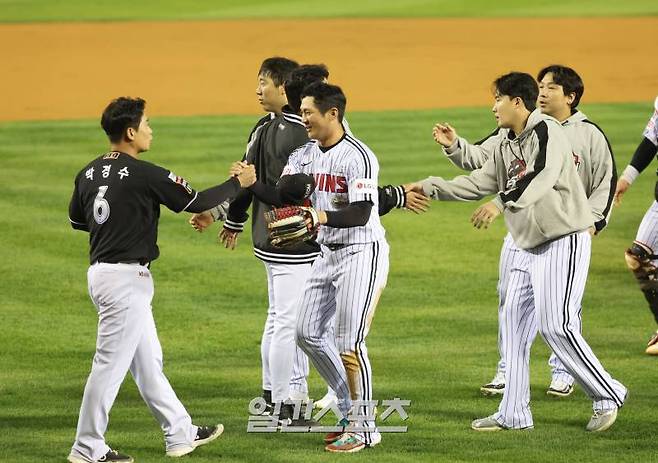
x=535, y=180
x=592, y=156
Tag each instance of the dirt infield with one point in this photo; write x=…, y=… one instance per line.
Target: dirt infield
x=70, y=70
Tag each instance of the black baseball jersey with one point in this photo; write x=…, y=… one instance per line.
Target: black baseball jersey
x=117, y=200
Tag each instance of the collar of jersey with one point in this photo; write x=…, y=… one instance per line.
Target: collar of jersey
x=324, y=149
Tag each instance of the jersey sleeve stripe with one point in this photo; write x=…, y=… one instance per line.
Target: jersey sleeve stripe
x=293, y=118
x=613, y=181
x=75, y=222
x=492, y=134
x=366, y=159
x=193, y=199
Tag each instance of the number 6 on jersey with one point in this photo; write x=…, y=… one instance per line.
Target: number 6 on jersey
x=101, y=206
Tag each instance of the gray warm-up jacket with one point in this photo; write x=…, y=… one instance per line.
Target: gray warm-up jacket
x=592, y=156
x=535, y=180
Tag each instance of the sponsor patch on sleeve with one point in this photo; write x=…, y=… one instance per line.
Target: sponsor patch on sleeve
x=180, y=181
x=363, y=185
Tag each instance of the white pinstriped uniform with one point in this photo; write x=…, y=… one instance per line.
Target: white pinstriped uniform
x=348, y=276
x=549, y=277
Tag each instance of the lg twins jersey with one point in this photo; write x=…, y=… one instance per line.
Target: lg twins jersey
x=344, y=173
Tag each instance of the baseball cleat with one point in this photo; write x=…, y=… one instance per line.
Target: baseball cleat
x=334, y=436
x=652, y=345
x=328, y=400
x=204, y=435
x=559, y=388
x=601, y=421
x=496, y=386
x=287, y=418
x=347, y=443
x=112, y=456
x=489, y=424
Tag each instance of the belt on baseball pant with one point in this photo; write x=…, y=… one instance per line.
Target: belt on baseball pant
x=143, y=262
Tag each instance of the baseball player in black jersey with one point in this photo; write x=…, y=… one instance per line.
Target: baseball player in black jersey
x=117, y=199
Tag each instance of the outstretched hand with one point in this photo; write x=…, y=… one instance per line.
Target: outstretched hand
x=444, y=134
x=201, y=221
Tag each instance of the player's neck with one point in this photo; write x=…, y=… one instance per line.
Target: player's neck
x=518, y=125
x=333, y=138
x=127, y=148
x=563, y=114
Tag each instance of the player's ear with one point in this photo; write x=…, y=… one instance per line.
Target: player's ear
x=130, y=133
x=333, y=112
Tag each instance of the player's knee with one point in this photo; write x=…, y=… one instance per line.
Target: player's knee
x=344, y=344
x=554, y=334
x=301, y=335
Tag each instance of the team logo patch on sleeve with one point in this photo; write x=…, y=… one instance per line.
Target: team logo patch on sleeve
x=180, y=181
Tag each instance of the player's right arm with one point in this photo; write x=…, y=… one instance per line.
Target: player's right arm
x=472, y=187
x=76, y=211
x=465, y=155
x=178, y=195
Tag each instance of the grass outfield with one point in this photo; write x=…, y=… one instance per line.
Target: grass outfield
x=433, y=340
x=126, y=10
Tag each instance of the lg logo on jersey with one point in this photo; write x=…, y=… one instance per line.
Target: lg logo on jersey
x=330, y=183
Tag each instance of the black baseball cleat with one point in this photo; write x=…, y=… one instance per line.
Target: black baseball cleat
x=204, y=435
x=287, y=417
x=269, y=406
x=112, y=456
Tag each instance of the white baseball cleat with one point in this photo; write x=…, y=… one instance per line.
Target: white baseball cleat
x=328, y=400
x=559, y=388
x=204, y=435
x=601, y=421
x=489, y=424
x=496, y=386
x=112, y=456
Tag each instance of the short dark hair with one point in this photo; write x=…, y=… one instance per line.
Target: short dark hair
x=300, y=78
x=326, y=96
x=120, y=114
x=311, y=71
x=567, y=78
x=518, y=84
x=278, y=69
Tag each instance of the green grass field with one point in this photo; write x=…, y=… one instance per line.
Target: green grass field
x=433, y=340
x=126, y=10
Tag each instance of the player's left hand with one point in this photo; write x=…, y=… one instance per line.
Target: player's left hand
x=484, y=215
x=229, y=238
x=201, y=221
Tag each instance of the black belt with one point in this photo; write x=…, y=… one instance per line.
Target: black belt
x=143, y=262
x=335, y=246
